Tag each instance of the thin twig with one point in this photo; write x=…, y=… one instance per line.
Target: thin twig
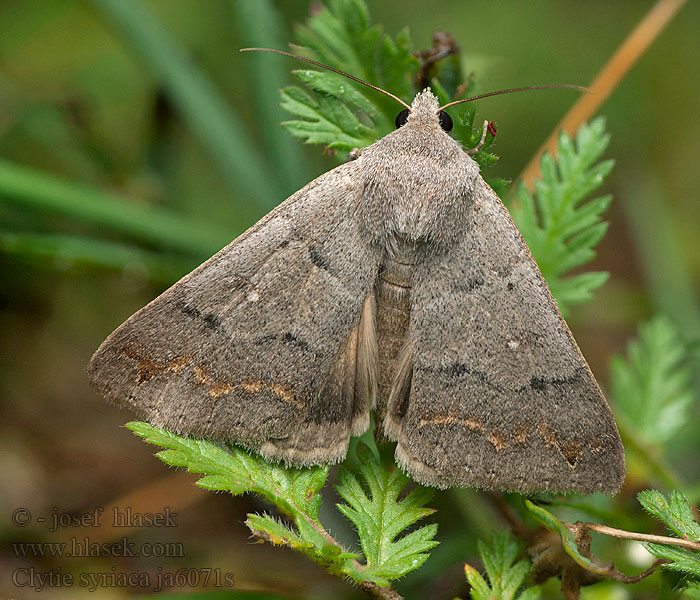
x=642, y=537
x=621, y=577
x=611, y=571
x=608, y=79
x=371, y=589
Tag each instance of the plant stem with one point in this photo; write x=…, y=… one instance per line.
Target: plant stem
x=381, y=592
x=642, y=537
x=624, y=58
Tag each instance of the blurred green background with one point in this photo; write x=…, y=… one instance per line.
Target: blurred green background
x=135, y=141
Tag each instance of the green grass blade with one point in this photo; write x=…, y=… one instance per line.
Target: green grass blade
x=70, y=252
x=260, y=27
x=32, y=188
x=192, y=92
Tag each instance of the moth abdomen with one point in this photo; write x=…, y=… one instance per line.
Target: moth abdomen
x=393, y=299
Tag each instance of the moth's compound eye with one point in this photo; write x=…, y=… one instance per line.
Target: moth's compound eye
x=445, y=121
x=401, y=118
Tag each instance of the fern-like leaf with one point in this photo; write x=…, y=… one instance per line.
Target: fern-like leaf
x=232, y=469
x=294, y=491
x=559, y=225
x=675, y=512
x=652, y=385
x=381, y=518
x=505, y=576
x=341, y=114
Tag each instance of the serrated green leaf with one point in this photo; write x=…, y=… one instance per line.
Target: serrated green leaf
x=295, y=491
x=380, y=517
x=652, y=384
x=675, y=513
x=329, y=555
x=337, y=86
x=679, y=559
x=560, y=227
x=275, y=532
x=341, y=35
x=327, y=120
x=577, y=289
x=481, y=589
x=505, y=575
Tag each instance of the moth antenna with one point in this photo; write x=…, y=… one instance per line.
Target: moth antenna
x=318, y=64
x=519, y=89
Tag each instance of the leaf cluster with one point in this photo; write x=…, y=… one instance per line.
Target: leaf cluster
x=342, y=114
x=379, y=511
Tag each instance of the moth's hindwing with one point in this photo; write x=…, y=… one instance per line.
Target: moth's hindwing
x=259, y=345
x=501, y=397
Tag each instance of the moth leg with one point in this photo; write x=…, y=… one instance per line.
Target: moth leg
x=480, y=145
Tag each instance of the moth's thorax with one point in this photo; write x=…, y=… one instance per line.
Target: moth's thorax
x=417, y=182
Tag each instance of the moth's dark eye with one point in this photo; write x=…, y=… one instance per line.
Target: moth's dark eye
x=401, y=118
x=445, y=121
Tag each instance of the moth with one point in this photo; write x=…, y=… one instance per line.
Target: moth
x=395, y=283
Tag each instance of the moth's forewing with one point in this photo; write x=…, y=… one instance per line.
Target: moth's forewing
x=501, y=397
x=258, y=345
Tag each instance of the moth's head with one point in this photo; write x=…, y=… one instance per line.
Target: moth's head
x=425, y=111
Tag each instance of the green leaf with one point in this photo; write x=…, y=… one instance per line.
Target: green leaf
x=505, y=575
x=341, y=36
x=342, y=114
x=381, y=518
x=260, y=25
x=652, y=385
x=276, y=532
x=36, y=190
x=680, y=559
x=560, y=227
x=66, y=252
x=675, y=513
x=294, y=491
x=338, y=112
x=328, y=119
